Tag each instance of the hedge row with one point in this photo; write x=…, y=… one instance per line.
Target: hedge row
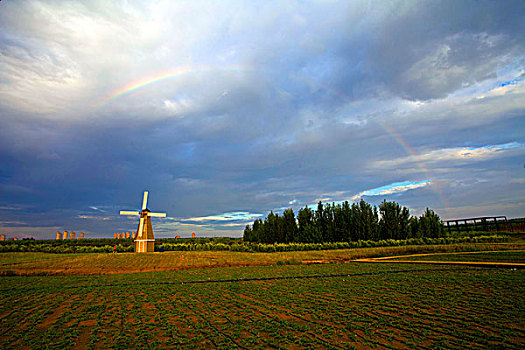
x=288, y=247
x=252, y=247
x=63, y=249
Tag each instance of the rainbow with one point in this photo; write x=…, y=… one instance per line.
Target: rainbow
x=162, y=76
x=177, y=72
x=404, y=146
x=412, y=154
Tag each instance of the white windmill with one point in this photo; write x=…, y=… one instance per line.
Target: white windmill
x=144, y=239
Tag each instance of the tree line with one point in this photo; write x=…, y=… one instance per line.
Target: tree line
x=344, y=223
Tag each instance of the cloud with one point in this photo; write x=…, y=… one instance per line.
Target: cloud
x=513, y=86
x=97, y=209
x=460, y=155
x=235, y=216
x=92, y=217
x=460, y=49
x=10, y=207
x=222, y=107
x=395, y=188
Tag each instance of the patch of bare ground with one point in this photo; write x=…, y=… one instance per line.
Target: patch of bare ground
x=88, y=323
x=53, y=317
x=84, y=333
x=316, y=261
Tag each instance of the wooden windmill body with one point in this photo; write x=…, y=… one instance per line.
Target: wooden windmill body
x=144, y=238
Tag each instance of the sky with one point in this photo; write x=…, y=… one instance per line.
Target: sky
x=226, y=110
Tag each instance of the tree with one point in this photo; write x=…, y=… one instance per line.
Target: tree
x=413, y=227
x=307, y=231
x=258, y=231
x=273, y=228
x=348, y=219
x=365, y=221
x=248, y=234
x=430, y=224
x=289, y=226
x=331, y=226
x=394, y=220
x=338, y=223
x=340, y=227
x=320, y=220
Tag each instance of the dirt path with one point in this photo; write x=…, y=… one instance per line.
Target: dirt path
x=451, y=253
x=391, y=259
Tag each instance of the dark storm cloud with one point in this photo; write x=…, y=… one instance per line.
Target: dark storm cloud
x=226, y=110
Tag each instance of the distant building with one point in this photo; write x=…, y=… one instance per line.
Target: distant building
x=59, y=235
x=66, y=234
x=72, y=235
x=193, y=235
x=2, y=237
x=81, y=235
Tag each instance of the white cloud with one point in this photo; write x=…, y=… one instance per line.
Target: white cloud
x=339, y=197
x=234, y=216
x=515, y=86
x=93, y=217
x=458, y=155
x=97, y=209
x=397, y=187
x=177, y=107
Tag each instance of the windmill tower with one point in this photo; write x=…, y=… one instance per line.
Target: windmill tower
x=144, y=239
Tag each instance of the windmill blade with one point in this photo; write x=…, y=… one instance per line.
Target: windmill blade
x=145, y=200
x=134, y=213
x=141, y=225
x=157, y=215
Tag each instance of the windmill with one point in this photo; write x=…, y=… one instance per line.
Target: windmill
x=144, y=239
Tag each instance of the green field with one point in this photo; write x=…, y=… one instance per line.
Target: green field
x=510, y=256
x=337, y=305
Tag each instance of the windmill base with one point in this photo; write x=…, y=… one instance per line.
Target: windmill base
x=144, y=245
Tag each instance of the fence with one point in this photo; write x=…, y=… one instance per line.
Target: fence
x=485, y=223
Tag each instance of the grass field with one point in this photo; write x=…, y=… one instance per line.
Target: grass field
x=108, y=263
x=508, y=256
x=337, y=305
